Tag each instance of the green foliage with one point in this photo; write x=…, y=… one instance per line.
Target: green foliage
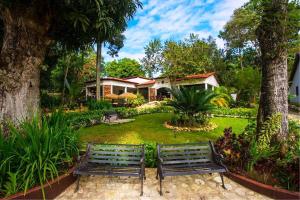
x=191, y=105
x=84, y=119
x=240, y=112
x=130, y=112
x=153, y=57
x=190, y=101
x=123, y=68
x=261, y=156
x=224, y=98
x=258, y=152
x=191, y=56
x=247, y=82
x=35, y=152
x=150, y=154
x=137, y=101
x=268, y=132
x=49, y=101
x=99, y=105
x=77, y=23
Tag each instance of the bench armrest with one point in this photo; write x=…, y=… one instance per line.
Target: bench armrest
x=82, y=160
x=218, y=158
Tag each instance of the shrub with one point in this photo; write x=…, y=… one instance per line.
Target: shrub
x=98, y=105
x=130, y=112
x=49, y=101
x=261, y=159
x=241, y=112
x=84, y=119
x=35, y=152
x=137, y=101
x=150, y=154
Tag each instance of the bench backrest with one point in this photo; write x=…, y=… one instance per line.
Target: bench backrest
x=115, y=154
x=182, y=154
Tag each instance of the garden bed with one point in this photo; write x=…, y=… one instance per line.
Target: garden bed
x=52, y=188
x=209, y=127
x=268, y=190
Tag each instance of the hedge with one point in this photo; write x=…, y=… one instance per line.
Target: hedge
x=236, y=112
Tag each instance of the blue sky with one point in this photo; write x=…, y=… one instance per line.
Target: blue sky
x=175, y=19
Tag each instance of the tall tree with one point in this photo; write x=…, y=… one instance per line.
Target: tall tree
x=272, y=35
x=123, y=68
x=153, y=57
x=29, y=27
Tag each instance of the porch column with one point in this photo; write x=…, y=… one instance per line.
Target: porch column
x=125, y=90
x=205, y=86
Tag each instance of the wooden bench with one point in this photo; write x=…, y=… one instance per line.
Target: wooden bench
x=188, y=159
x=112, y=160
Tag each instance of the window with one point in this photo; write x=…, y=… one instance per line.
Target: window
x=297, y=91
x=163, y=82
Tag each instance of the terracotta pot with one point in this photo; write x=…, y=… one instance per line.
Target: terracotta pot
x=52, y=189
x=268, y=190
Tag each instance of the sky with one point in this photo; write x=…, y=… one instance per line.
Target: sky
x=175, y=19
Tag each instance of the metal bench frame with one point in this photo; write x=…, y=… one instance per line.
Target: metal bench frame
x=112, y=160
x=188, y=159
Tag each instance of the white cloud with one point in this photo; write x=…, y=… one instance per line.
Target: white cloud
x=176, y=19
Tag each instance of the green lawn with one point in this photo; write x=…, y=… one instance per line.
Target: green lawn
x=150, y=128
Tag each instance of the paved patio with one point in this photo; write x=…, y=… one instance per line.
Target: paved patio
x=202, y=187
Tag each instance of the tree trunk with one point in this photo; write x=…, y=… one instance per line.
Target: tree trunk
x=98, y=70
x=274, y=87
x=23, y=50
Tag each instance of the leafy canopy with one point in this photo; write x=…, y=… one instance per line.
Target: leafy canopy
x=123, y=68
x=75, y=23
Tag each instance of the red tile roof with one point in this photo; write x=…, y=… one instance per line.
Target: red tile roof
x=196, y=76
x=147, y=83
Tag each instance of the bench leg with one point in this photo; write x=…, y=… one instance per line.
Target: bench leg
x=160, y=186
x=223, y=185
x=142, y=184
x=156, y=174
x=77, y=183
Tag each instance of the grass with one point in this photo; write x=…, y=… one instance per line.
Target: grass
x=150, y=128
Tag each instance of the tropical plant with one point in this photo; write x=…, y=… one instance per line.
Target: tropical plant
x=137, y=101
x=190, y=102
x=99, y=104
x=35, y=152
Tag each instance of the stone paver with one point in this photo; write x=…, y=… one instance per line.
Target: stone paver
x=197, y=187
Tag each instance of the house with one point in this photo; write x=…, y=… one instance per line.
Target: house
x=151, y=89
x=295, y=80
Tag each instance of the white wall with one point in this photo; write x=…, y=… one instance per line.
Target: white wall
x=112, y=82
x=162, y=82
x=212, y=81
x=295, y=83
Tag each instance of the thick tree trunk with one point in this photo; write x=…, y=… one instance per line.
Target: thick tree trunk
x=23, y=50
x=274, y=87
x=98, y=70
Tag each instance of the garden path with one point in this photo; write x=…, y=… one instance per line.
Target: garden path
x=202, y=187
